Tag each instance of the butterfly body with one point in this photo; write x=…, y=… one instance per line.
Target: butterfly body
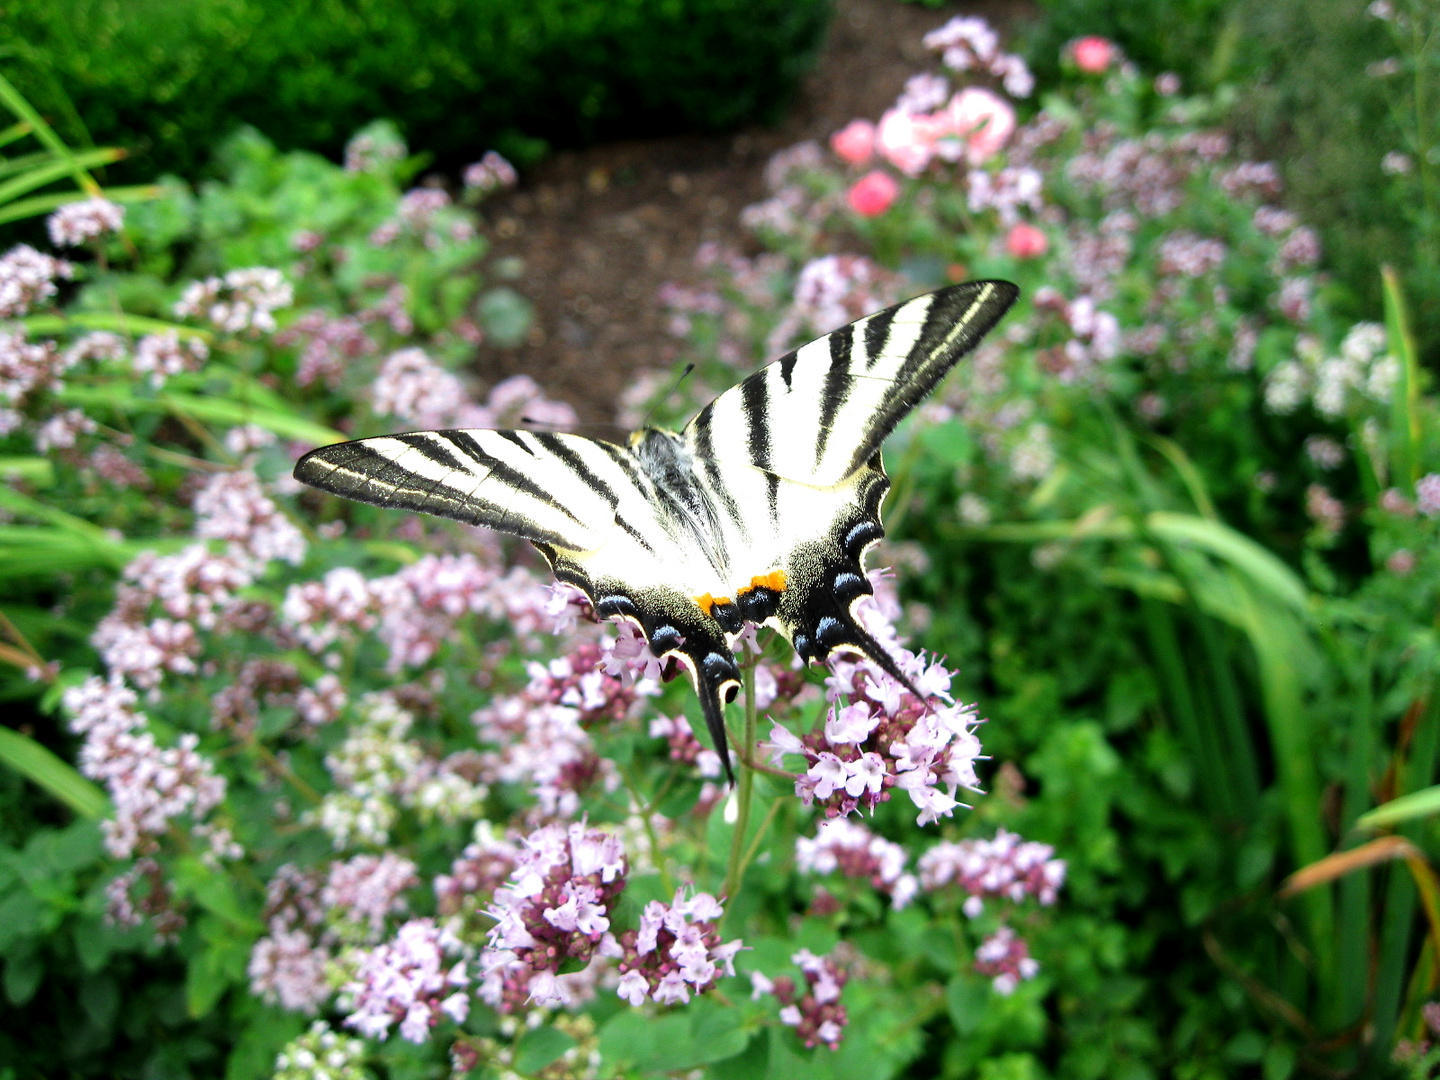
x=759, y=511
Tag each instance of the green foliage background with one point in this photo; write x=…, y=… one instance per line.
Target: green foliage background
x=171, y=79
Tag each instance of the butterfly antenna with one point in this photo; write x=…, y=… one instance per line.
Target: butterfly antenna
x=674, y=389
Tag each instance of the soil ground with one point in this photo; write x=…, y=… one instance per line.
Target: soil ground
x=600, y=230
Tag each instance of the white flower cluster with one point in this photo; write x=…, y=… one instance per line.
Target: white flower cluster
x=74, y=223
x=28, y=277
x=1363, y=373
x=242, y=301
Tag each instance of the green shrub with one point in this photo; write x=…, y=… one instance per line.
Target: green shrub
x=172, y=79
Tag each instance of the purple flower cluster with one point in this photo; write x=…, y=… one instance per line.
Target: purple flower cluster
x=849, y=848
x=814, y=1012
x=410, y=980
x=159, y=357
x=1004, y=958
x=551, y=916
x=26, y=278
x=329, y=344
x=676, y=952
x=886, y=738
x=1005, y=868
x=491, y=173
x=74, y=223
x=969, y=44
x=149, y=785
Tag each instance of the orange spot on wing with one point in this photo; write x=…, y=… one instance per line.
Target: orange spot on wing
x=774, y=580
x=708, y=603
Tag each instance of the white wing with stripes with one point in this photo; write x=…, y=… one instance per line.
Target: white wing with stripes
x=820, y=413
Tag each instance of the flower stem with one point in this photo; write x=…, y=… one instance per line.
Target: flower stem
x=745, y=788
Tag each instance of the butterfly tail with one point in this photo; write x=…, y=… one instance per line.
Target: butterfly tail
x=714, y=710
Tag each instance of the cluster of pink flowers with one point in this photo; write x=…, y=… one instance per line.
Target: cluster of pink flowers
x=815, y=1011
x=970, y=44
x=411, y=980
x=1005, y=959
x=1005, y=868
x=490, y=173
x=551, y=916
x=329, y=345
x=159, y=357
x=233, y=506
x=475, y=874
x=28, y=277
x=886, y=738
x=74, y=223
x=243, y=301
x=847, y=847
x=26, y=371
x=830, y=292
x=676, y=952
x=149, y=785
x=685, y=748
x=1427, y=495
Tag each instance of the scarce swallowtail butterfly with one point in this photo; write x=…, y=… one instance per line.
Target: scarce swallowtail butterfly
x=760, y=511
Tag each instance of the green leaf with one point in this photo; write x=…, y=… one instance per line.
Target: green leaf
x=1418, y=804
x=23, y=970
x=40, y=766
x=965, y=999
x=20, y=917
x=539, y=1047
x=506, y=316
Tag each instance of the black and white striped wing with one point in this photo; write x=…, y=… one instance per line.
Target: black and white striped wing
x=586, y=504
x=795, y=450
x=820, y=413
x=559, y=490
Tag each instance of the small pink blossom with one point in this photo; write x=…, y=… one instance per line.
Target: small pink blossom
x=490, y=173
x=1427, y=495
x=1092, y=54
x=1026, y=241
x=982, y=119
x=74, y=223
x=854, y=144
x=873, y=194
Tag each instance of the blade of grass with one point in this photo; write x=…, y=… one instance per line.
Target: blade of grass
x=42, y=768
x=44, y=204
x=15, y=101
x=1405, y=405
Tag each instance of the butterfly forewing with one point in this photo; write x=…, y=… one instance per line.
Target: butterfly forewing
x=818, y=414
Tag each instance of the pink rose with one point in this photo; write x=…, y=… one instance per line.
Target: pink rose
x=1025, y=241
x=906, y=141
x=981, y=118
x=1092, y=54
x=855, y=142
x=873, y=193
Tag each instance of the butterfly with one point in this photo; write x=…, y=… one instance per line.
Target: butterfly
x=760, y=510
